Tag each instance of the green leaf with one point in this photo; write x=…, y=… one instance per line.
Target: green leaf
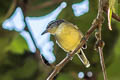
x=115, y=6
x=119, y=7
x=111, y=3
x=111, y=9
x=109, y=18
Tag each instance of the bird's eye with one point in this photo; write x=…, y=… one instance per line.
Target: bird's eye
x=50, y=24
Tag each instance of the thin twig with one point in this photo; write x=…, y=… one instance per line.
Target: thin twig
x=99, y=39
x=102, y=62
x=115, y=16
x=100, y=50
x=44, y=5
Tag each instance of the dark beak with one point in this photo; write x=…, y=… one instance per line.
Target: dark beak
x=44, y=32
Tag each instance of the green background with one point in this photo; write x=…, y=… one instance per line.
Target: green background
x=18, y=63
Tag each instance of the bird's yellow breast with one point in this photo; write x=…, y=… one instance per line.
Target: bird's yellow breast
x=68, y=36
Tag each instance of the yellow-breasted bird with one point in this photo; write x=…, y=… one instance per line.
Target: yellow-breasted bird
x=67, y=36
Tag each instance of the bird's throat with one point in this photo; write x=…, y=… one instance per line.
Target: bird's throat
x=52, y=30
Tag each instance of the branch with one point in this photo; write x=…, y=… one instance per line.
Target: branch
x=100, y=46
x=94, y=25
x=100, y=43
x=45, y=4
x=102, y=62
x=115, y=16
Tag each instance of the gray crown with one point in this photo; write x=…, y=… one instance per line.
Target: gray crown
x=55, y=23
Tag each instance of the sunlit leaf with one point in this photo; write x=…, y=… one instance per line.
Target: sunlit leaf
x=109, y=18
x=119, y=7
x=115, y=6
x=111, y=8
x=112, y=3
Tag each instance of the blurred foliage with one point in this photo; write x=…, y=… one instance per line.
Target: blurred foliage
x=41, y=8
x=17, y=63
x=4, y=7
x=13, y=46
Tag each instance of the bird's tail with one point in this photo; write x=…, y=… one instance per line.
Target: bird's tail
x=83, y=58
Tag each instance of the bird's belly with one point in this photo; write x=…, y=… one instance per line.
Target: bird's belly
x=69, y=40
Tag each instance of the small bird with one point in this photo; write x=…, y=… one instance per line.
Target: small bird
x=68, y=37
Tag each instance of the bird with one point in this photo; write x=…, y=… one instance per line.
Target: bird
x=68, y=37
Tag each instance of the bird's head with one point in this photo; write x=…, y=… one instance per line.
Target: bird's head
x=52, y=26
